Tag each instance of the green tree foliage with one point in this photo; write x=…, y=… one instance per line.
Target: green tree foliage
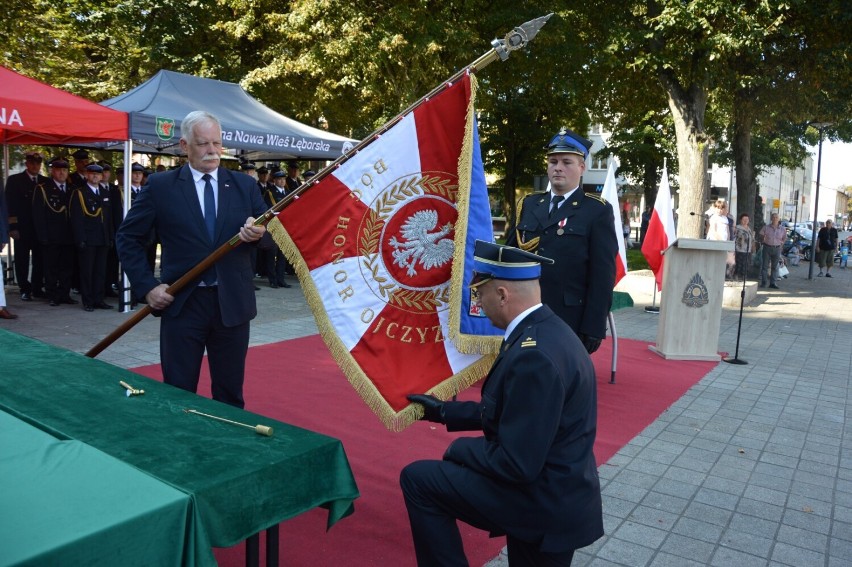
x=669, y=77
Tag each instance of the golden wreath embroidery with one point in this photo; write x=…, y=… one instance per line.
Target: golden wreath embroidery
x=377, y=270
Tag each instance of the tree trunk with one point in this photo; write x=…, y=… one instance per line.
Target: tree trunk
x=650, y=181
x=746, y=187
x=688, y=108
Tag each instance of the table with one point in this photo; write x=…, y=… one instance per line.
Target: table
x=239, y=482
x=46, y=483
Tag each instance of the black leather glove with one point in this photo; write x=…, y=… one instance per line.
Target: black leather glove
x=591, y=343
x=433, y=408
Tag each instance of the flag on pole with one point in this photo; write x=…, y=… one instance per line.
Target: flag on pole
x=661, y=230
x=379, y=246
x=610, y=193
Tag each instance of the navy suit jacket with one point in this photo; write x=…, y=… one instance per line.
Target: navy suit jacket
x=169, y=204
x=533, y=471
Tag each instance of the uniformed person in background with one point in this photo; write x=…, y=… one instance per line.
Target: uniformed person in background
x=93, y=230
x=249, y=168
x=576, y=230
x=109, y=185
x=20, y=189
x=137, y=176
x=53, y=230
x=264, y=184
x=293, y=179
x=532, y=475
x=275, y=262
x=81, y=162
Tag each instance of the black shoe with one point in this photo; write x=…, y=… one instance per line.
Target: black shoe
x=88, y=308
x=256, y=288
x=283, y=284
x=54, y=303
x=827, y=275
x=773, y=286
x=26, y=297
x=273, y=285
x=68, y=301
x=102, y=305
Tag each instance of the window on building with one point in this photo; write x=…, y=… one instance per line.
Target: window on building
x=599, y=162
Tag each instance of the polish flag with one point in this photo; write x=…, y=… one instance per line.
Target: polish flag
x=661, y=230
x=610, y=193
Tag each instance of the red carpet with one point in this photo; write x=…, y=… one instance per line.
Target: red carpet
x=298, y=382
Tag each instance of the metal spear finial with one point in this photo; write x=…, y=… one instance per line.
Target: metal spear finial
x=519, y=37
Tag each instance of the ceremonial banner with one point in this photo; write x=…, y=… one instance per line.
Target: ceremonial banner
x=661, y=230
x=610, y=193
x=379, y=248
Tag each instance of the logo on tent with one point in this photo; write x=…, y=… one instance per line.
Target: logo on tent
x=165, y=128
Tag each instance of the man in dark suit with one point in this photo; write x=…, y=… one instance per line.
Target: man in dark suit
x=576, y=230
x=19, y=197
x=196, y=209
x=90, y=208
x=53, y=230
x=532, y=476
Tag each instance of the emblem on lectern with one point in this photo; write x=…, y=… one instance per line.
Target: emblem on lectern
x=695, y=294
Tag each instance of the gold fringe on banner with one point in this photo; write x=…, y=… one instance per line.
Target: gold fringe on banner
x=465, y=343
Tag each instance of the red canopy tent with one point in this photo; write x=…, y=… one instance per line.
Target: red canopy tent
x=34, y=113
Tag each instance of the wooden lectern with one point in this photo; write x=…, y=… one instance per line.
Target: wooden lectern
x=691, y=301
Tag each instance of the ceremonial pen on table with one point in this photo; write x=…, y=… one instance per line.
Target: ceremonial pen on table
x=259, y=429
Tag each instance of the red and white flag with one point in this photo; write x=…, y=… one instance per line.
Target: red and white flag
x=610, y=193
x=374, y=244
x=661, y=230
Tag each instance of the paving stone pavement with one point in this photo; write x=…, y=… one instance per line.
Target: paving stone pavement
x=751, y=467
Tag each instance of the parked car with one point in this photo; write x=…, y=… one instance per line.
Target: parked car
x=802, y=239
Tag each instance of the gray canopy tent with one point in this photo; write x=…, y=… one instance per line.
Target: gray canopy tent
x=157, y=106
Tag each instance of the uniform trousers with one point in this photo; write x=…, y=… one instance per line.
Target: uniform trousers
x=93, y=262
x=434, y=505
x=23, y=247
x=58, y=269
x=184, y=338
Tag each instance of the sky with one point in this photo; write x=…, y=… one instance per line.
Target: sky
x=836, y=164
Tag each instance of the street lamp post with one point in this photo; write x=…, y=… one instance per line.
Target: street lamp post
x=819, y=126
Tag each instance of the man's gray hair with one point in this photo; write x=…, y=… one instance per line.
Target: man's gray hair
x=193, y=119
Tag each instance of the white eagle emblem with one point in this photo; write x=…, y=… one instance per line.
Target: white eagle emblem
x=431, y=249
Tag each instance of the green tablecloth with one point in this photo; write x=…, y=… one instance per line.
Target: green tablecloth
x=240, y=482
x=65, y=503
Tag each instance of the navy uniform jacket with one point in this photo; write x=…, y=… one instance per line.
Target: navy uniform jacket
x=272, y=195
x=169, y=204
x=19, y=198
x=578, y=286
x=50, y=214
x=91, y=216
x=534, y=470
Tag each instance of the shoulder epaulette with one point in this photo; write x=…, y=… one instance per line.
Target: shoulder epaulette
x=597, y=197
